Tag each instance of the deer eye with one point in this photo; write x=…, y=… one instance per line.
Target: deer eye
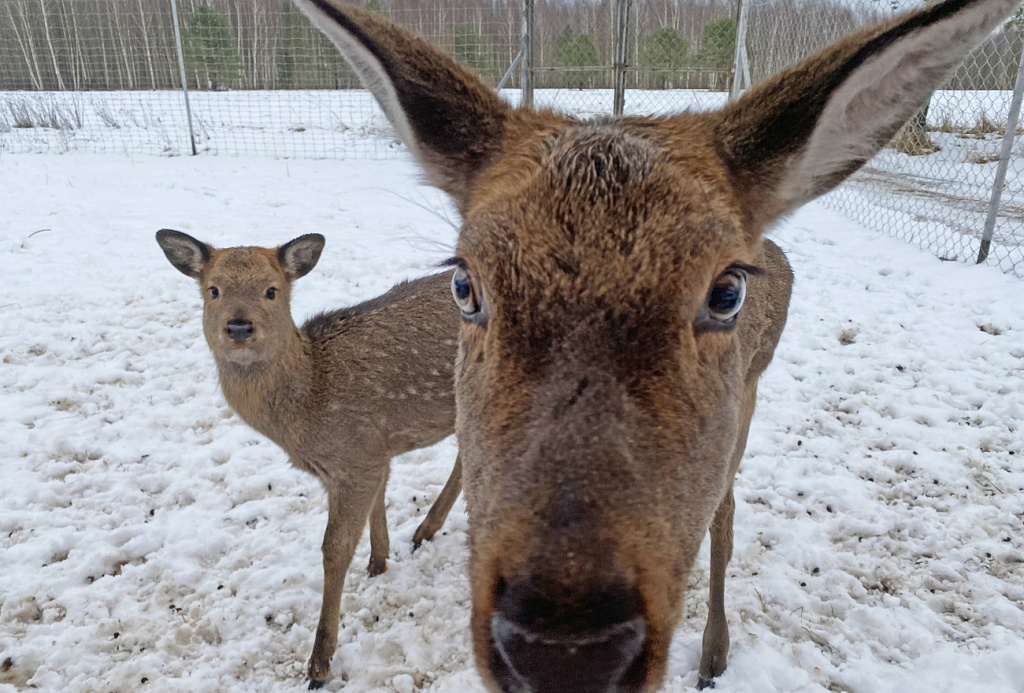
x=465, y=296
x=726, y=298
x=271, y=293
x=214, y=292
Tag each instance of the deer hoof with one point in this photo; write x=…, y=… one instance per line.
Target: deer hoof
x=703, y=683
x=421, y=536
x=377, y=567
x=319, y=665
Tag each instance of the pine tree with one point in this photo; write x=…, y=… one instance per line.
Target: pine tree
x=211, y=51
x=471, y=48
x=665, y=51
x=718, y=44
x=377, y=7
x=574, y=50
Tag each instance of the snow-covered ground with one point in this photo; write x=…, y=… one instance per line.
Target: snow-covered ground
x=296, y=123
x=938, y=201
x=319, y=123
x=149, y=541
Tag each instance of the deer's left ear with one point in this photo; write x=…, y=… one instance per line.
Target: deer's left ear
x=299, y=256
x=803, y=132
x=453, y=122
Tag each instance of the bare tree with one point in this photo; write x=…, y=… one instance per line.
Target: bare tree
x=49, y=44
x=24, y=40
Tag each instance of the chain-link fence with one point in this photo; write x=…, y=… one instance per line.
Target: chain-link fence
x=950, y=181
x=680, y=55
x=674, y=55
x=107, y=75
x=938, y=183
x=574, y=56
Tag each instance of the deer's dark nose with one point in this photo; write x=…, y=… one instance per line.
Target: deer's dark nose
x=239, y=330
x=591, y=645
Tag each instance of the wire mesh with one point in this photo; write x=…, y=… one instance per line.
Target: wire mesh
x=103, y=75
x=931, y=185
x=681, y=55
x=574, y=56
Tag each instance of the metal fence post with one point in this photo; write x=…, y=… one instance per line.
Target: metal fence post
x=741, y=63
x=510, y=71
x=1004, y=162
x=621, y=39
x=184, y=80
x=527, y=53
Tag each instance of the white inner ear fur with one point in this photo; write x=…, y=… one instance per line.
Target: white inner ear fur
x=186, y=253
x=300, y=259
x=886, y=90
x=371, y=72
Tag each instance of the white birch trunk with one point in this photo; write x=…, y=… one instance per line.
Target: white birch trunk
x=49, y=44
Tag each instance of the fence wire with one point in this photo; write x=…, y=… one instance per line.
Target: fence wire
x=574, y=56
x=103, y=75
x=932, y=185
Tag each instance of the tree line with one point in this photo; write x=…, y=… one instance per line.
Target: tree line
x=267, y=44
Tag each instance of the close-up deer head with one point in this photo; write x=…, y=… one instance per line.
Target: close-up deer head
x=618, y=306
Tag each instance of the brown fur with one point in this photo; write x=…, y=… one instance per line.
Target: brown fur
x=601, y=415
x=341, y=395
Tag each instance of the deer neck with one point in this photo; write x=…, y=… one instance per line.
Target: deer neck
x=273, y=396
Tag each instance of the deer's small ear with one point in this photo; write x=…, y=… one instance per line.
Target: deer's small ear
x=801, y=133
x=299, y=256
x=453, y=123
x=187, y=254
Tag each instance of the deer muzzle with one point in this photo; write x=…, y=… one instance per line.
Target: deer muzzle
x=548, y=641
x=239, y=330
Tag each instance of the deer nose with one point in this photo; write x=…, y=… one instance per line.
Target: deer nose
x=589, y=648
x=239, y=330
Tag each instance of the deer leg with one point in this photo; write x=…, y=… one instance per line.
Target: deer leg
x=348, y=508
x=715, y=648
x=380, y=543
x=442, y=506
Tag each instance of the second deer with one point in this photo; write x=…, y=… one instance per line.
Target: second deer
x=341, y=395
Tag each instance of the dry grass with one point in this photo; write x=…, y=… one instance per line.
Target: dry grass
x=980, y=158
x=106, y=114
x=981, y=128
x=21, y=116
x=912, y=139
x=986, y=126
x=43, y=112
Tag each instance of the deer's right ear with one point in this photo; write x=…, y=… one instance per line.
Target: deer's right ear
x=186, y=253
x=444, y=113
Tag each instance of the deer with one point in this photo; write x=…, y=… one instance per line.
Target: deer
x=619, y=302
x=341, y=395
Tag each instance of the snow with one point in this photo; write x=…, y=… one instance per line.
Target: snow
x=324, y=123
x=295, y=123
x=152, y=542
x=938, y=201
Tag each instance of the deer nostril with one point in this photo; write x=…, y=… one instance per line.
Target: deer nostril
x=588, y=644
x=594, y=661
x=239, y=330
